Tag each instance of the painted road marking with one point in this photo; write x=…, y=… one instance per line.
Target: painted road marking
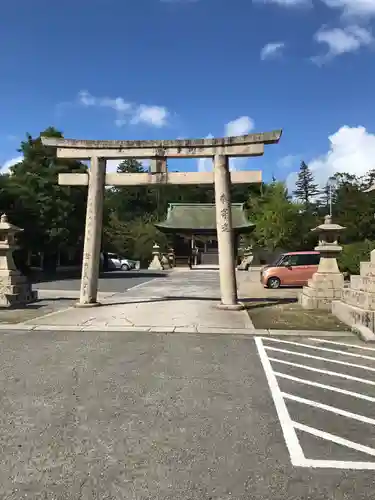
x=324, y=372
x=290, y=436
x=324, y=386
x=337, y=464
x=346, y=344
x=332, y=409
x=334, y=351
x=289, y=426
x=328, y=360
x=335, y=439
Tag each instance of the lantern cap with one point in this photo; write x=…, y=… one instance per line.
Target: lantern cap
x=328, y=226
x=5, y=225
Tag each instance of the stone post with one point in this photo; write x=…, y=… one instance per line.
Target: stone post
x=15, y=288
x=93, y=234
x=171, y=257
x=228, y=283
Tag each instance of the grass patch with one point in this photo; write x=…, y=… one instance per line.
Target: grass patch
x=287, y=314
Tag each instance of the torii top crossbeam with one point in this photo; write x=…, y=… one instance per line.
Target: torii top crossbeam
x=244, y=145
x=159, y=151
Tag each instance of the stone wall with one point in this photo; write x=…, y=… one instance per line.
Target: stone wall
x=357, y=305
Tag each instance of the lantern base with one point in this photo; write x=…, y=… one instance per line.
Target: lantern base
x=321, y=290
x=156, y=264
x=15, y=290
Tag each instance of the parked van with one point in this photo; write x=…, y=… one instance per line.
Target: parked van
x=290, y=269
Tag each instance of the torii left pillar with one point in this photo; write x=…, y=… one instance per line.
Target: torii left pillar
x=93, y=234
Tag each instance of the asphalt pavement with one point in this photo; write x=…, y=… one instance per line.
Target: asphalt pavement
x=111, y=281
x=89, y=415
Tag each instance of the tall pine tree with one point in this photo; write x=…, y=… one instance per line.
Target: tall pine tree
x=306, y=189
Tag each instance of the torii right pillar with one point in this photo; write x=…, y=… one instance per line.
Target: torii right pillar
x=224, y=226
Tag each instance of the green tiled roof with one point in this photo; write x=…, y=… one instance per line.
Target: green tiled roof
x=201, y=217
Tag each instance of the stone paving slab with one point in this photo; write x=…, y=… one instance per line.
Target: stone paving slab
x=186, y=301
x=151, y=313
x=240, y=332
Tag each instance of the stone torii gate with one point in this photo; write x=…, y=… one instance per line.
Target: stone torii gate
x=220, y=149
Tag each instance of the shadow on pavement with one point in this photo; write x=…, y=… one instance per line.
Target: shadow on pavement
x=262, y=303
x=71, y=275
x=38, y=304
x=258, y=303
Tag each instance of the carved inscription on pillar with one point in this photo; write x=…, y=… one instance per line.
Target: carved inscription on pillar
x=224, y=213
x=85, y=267
x=225, y=220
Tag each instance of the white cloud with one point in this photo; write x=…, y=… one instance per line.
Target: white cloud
x=127, y=112
x=112, y=165
x=272, y=50
x=361, y=8
x=205, y=164
x=288, y=3
x=179, y=1
x=352, y=151
x=342, y=40
x=151, y=115
x=288, y=161
x=10, y=163
x=240, y=126
x=349, y=8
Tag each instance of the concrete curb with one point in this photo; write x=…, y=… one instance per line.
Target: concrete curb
x=364, y=333
x=248, y=332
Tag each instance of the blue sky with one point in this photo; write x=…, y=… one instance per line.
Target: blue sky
x=153, y=69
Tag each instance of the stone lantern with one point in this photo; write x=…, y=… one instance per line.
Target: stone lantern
x=14, y=287
x=247, y=258
x=171, y=257
x=327, y=283
x=156, y=258
x=328, y=246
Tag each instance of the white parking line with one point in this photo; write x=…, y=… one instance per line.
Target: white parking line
x=324, y=386
x=289, y=426
x=337, y=464
x=325, y=372
x=355, y=346
x=332, y=409
x=326, y=349
x=327, y=360
x=335, y=439
x=290, y=436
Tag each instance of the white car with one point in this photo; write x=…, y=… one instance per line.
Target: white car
x=117, y=262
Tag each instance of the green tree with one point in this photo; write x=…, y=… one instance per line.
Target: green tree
x=130, y=202
x=275, y=216
x=52, y=216
x=354, y=209
x=306, y=189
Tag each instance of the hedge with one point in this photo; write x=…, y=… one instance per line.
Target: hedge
x=353, y=254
